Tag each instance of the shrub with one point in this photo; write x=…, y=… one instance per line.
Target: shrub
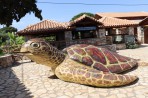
x=130, y=45
x=13, y=43
x=1, y=52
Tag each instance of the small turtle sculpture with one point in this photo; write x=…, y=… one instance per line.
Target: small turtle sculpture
x=81, y=63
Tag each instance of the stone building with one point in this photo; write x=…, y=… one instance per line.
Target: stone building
x=140, y=31
x=99, y=30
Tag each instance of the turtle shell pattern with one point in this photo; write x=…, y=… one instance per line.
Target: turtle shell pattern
x=100, y=58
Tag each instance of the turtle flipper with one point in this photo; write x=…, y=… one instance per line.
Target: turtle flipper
x=72, y=71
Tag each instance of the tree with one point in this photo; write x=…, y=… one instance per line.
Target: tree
x=8, y=29
x=16, y=9
x=4, y=31
x=78, y=15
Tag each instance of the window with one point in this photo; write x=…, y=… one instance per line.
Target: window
x=51, y=38
x=106, y=33
x=84, y=34
x=117, y=39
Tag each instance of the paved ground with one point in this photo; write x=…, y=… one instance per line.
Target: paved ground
x=139, y=53
x=30, y=80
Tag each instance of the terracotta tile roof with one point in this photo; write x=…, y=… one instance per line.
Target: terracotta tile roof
x=82, y=18
x=66, y=24
x=123, y=14
x=144, y=21
x=46, y=25
x=115, y=22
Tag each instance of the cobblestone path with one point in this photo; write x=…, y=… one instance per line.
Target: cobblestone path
x=31, y=80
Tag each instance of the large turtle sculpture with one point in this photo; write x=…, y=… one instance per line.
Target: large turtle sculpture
x=81, y=63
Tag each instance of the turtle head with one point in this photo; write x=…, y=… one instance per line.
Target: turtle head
x=42, y=52
x=36, y=46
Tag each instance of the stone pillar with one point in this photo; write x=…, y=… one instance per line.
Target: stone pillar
x=131, y=30
x=117, y=31
x=140, y=33
x=68, y=35
x=97, y=33
x=102, y=33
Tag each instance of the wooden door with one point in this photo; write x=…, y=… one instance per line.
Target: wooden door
x=146, y=36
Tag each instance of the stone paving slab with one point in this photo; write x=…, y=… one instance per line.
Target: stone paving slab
x=30, y=80
x=140, y=54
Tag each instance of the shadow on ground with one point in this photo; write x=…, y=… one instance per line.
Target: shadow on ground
x=11, y=86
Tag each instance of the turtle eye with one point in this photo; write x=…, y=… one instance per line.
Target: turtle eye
x=35, y=45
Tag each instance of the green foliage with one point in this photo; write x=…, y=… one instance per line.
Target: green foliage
x=8, y=29
x=130, y=45
x=78, y=15
x=3, y=36
x=16, y=9
x=13, y=43
x=1, y=52
x=3, y=33
x=50, y=38
x=15, y=40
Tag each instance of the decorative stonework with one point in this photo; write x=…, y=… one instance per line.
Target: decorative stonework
x=6, y=60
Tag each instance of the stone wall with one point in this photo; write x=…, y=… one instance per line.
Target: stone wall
x=110, y=47
x=6, y=61
x=68, y=35
x=101, y=33
x=131, y=30
x=120, y=46
x=92, y=41
x=109, y=40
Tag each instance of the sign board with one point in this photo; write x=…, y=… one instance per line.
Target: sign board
x=85, y=28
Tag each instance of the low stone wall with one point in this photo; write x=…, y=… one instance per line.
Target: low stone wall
x=92, y=41
x=110, y=47
x=120, y=46
x=109, y=40
x=6, y=61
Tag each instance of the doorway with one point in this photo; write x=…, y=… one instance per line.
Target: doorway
x=146, y=36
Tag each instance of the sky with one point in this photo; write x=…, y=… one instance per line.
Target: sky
x=64, y=13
